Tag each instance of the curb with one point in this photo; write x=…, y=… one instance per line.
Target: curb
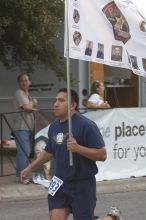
x=122, y=185
x=11, y=191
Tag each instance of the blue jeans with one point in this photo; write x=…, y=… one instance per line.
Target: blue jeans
x=23, y=140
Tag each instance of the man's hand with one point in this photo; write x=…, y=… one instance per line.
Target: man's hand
x=25, y=173
x=88, y=152
x=35, y=102
x=72, y=145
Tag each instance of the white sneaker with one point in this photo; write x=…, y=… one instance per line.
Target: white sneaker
x=45, y=183
x=37, y=179
x=115, y=212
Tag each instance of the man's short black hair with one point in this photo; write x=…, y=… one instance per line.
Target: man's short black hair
x=23, y=74
x=73, y=93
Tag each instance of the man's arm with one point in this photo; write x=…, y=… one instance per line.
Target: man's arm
x=30, y=107
x=91, y=153
x=43, y=158
x=24, y=102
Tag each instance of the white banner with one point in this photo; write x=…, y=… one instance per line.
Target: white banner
x=108, y=32
x=124, y=132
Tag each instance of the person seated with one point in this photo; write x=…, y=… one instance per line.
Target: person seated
x=95, y=100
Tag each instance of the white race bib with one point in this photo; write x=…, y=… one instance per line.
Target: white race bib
x=54, y=185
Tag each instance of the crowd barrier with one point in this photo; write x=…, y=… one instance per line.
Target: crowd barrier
x=7, y=146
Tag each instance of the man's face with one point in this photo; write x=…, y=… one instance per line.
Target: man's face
x=61, y=106
x=24, y=82
x=117, y=52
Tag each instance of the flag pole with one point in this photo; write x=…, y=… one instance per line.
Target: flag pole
x=68, y=82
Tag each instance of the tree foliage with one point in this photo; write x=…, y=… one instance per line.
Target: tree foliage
x=28, y=29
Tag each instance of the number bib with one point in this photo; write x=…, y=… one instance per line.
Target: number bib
x=54, y=185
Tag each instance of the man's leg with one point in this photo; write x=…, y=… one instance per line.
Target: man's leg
x=59, y=214
x=23, y=144
x=83, y=198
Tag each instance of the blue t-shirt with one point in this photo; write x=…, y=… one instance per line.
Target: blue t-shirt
x=86, y=134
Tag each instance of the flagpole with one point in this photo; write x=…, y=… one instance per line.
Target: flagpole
x=68, y=83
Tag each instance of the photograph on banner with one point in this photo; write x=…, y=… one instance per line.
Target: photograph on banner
x=100, y=51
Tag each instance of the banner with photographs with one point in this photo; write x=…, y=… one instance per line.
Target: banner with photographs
x=108, y=32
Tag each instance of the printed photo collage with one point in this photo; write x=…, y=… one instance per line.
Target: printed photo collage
x=118, y=21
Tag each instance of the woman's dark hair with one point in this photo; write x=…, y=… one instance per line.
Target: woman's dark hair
x=95, y=86
x=74, y=95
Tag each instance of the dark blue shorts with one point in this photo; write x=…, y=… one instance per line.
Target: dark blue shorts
x=79, y=196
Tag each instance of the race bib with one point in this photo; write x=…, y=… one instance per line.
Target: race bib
x=54, y=185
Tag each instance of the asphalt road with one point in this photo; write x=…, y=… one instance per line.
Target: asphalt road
x=132, y=204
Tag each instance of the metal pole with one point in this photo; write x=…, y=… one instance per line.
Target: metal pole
x=68, y=82
x=1, y=138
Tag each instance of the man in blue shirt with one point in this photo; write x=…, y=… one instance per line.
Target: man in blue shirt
x=73, y=188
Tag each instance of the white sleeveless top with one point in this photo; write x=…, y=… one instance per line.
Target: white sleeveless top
x=96, y=99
